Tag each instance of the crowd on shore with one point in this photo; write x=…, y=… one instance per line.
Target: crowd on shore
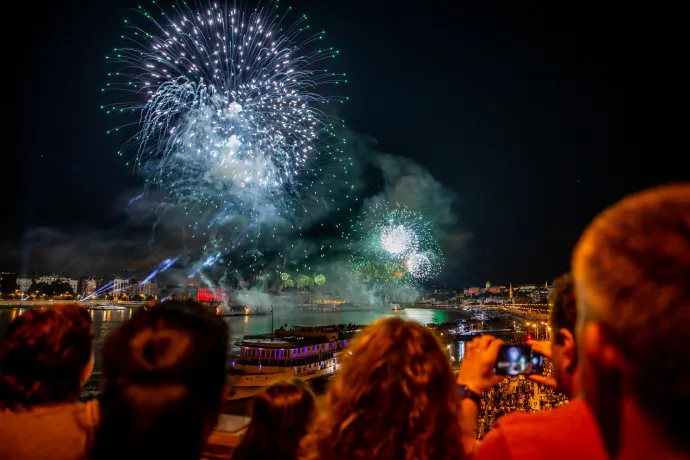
x=515, y=395
x=622, y=311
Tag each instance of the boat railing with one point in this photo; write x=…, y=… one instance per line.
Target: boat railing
x=285, y=362
x=258, y=337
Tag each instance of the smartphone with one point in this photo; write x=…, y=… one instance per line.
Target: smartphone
x=518, y=360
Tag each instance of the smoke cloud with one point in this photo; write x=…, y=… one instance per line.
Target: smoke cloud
x=146, y=230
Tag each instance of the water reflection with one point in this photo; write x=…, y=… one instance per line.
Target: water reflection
x=106, y=321
x=456, y=352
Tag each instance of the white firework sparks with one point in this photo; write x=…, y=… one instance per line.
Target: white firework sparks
x=230, y=120
x=398, y=240
x=419, y=266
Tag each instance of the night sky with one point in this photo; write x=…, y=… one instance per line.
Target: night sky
x=537, y=116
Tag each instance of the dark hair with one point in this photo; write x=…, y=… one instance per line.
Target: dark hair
x=395, y=398
x=164, y=376
x=563, y=307
x=632, y=266
x=280, y=417
x=43, y=356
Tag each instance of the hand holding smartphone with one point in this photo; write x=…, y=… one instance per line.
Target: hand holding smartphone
x=518, y=360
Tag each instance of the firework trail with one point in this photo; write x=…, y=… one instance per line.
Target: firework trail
x=231, y=124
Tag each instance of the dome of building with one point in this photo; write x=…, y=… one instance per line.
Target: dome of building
x=488, y=284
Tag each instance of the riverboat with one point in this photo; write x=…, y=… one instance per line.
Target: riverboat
x=304, y=353
x=107, y=307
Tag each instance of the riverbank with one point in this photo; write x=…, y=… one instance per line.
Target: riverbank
x=48, y=303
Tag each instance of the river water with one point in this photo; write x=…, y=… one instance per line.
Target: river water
x=104, y=322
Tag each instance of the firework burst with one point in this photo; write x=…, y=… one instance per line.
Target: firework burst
x=231, y=121
x=398, y=246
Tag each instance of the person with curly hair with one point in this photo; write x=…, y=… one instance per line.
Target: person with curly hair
x=45, y=360
x=394, y=398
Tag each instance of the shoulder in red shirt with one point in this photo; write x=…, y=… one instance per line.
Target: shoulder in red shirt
x=569, y=432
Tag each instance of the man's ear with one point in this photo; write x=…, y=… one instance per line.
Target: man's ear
x=569, y=355
x=597, y=345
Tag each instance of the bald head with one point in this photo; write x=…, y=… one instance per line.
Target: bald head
x=632, y=277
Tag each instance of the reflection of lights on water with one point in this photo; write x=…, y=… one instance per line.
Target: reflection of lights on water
x=456, y=353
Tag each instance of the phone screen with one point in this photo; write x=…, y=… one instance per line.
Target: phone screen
x=518, y=360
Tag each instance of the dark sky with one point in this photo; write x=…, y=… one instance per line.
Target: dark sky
x=538, y=116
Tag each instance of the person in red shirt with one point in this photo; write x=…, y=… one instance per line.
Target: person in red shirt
x=567, y=432
x=632, y=285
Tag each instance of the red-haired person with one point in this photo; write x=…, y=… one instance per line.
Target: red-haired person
x=394, y=398
x=45, y=359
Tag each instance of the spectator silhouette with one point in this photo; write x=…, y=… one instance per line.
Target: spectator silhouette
x=567, y=432
x=632, y=285
x=165, y=381
x=561, y=349
x=280, y=416
x=45, y=360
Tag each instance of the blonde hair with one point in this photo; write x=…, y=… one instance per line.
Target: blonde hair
x=395, y=398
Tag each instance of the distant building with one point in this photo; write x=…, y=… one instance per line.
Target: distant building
x=24, y=283
x=527, y=287
x=539, y=295
x=132, y=287
x=48, y=279
x=149, y=288
x=53, y=278
x=535, y=293
x=488, y=288
x=123, y=285
x=86, y=286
